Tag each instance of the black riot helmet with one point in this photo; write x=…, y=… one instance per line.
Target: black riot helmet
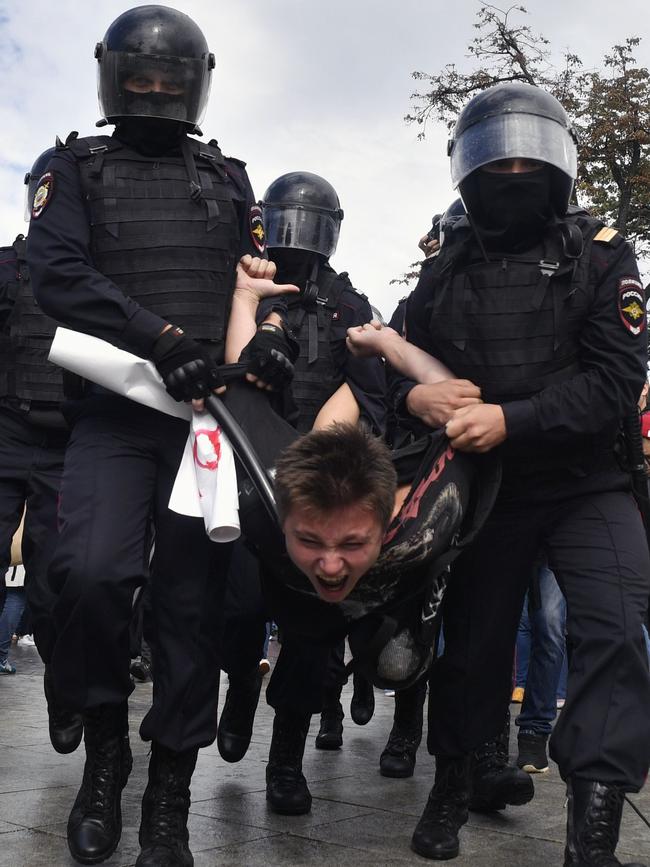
x=154, y=62
x=302, y=212
x=511, y=120
x=32, y=178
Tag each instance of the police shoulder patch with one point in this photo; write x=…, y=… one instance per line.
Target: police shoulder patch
x=631, y=304
x=43, y=194
x=257, y=228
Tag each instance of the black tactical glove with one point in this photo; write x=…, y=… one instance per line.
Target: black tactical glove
x=270, y=355
x=186, y=367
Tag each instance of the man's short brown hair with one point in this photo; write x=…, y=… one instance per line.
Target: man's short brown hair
x=334, y=468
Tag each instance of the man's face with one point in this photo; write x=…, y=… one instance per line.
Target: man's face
x=514, y=166
x=334, y=549
x=153, y=81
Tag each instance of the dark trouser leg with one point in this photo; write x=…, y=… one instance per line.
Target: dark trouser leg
x=242, y=647
x=244, y=615
x=187, y=589
x=40, y=536
x=599, y=555
x=106, y=493
x=481, y=612
x=296, y=684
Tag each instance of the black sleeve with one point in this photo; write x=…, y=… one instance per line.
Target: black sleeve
x=252, y=237
x=365, y=376
x=613, y=360
x=66, y=283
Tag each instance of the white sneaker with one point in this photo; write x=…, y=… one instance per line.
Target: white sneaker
x=26, y=641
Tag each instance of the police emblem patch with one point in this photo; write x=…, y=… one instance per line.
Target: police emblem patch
x=631, y=304
x=257, y=228
x=43, y=194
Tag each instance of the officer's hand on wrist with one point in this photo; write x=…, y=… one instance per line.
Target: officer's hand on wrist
x=270, y=356
x=477, y=428
x=186, y=368
x=435, y=403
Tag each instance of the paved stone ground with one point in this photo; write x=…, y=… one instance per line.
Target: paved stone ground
x=358, y=818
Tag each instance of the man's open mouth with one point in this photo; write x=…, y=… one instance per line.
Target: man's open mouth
x=332, y=584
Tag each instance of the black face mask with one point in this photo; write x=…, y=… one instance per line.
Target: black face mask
x=510, y=210
x=294, y=266
x=152, y=136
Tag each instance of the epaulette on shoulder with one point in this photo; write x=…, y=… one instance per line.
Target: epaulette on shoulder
x=609, y=236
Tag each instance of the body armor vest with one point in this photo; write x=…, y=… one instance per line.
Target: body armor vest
x=164, y=229
x=512, y=324
x=316, y=376
x=25, y=372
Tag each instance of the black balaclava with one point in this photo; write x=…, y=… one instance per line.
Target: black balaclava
x=151, y=136
x=294, y=266
x=509, y=209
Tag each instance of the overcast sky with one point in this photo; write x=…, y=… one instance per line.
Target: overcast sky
x=317, y=85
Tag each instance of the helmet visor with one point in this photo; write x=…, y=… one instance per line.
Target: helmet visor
x=506, y=136
x=148, y=85
x=299, y=229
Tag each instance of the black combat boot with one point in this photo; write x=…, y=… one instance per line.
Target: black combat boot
x=495, y=783
x=95, y=823
x=66, y=727
x=436, y=834
x=593, y=822
x=330, y=734
x=362, y=706
x=398, y=757
x=163, y=828
x=286, y=786
x=236, y=720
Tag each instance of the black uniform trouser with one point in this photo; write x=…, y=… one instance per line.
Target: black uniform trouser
x=244, y=613
x=597, y=550
x=119, y=471
x=31, y=463
x=296, y=684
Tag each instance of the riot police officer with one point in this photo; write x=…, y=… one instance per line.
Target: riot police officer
x=302, y=217
x=543, y=312
x=33, y=438
x=135, y=238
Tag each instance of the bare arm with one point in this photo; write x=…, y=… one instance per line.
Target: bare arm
x=341, y=407
x=411, y=361
x=254, y=282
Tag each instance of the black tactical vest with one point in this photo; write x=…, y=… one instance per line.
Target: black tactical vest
x=25, y=372
x=512, y=324
x=164, y=229
x=316, y=376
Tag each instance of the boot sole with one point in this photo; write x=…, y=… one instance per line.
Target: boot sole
x=439, y=856
x=329, y=745
x=288, y=811
x=397, y=775
x=95, y=860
